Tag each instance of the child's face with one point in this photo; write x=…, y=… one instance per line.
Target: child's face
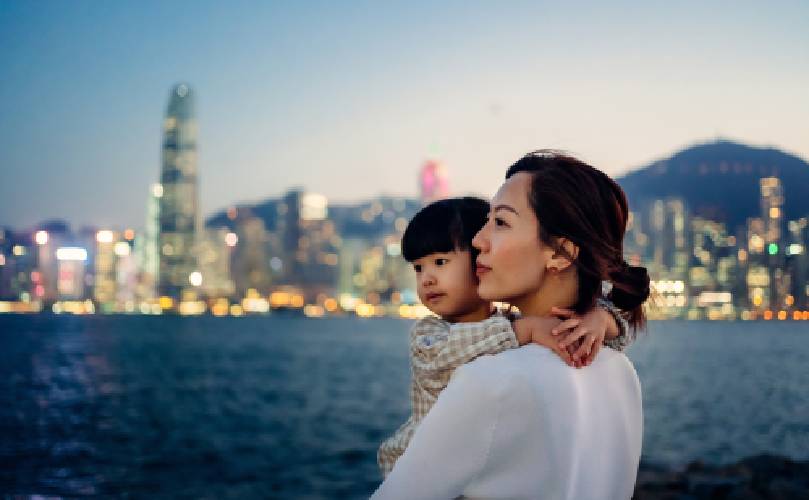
x=447, y=286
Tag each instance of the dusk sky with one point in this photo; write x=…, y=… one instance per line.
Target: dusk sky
x=348, y=99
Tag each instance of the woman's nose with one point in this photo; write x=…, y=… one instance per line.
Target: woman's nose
x=479, y=239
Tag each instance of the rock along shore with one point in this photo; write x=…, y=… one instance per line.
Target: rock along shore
x=755, y=478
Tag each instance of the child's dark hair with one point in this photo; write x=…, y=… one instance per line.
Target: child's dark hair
x=445, y=226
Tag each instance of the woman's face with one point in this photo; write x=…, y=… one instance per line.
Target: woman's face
x=512, y=259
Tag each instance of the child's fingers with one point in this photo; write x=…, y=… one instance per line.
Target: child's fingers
x=593, y=352
x=567, y=324
x=569, y=350
x=572, y=349
x=584, y=350
x=561, y=311
x=572, y=336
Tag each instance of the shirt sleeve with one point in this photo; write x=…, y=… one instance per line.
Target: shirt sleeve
x=625, y=337
x=451, y=445
x=437, y=346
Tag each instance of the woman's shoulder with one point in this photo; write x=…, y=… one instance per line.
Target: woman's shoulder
x=533, y=367
x=514, y=361
x=495, y=375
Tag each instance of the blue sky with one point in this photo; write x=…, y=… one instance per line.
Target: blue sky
x=348, y=99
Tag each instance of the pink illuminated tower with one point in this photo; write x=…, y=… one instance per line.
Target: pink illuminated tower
x=433, y=182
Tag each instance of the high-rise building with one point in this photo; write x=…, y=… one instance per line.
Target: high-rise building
x=798, y=263
x=48, y=239
x=772, y=203
x=147, y=246
x=70, y=283
x=126, y=273
x=667, y=232
x=758, y=274
x=178, y=207
x=289, y=228
x=250, y=262
x=309, y=243
x=215, y=248
x=104, y=287
x=433, y=184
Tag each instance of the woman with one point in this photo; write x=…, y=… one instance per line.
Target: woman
x=522, y=424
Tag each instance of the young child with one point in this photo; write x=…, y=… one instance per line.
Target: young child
x=438, y=242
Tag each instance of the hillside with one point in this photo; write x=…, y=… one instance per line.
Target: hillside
x=720, y=181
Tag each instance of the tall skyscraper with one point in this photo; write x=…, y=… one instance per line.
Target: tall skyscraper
x=772, y=203
x=433, y=184
x=104, y=288
x=308, y=242
x=147, y=246
x=179, y=211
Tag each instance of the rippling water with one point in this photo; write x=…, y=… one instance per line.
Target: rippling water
x=287, y=407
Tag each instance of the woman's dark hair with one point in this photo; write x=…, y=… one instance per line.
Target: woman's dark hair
x=444, y=226
x=580, y=203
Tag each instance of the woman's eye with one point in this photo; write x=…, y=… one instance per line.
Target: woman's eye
x=499, y=222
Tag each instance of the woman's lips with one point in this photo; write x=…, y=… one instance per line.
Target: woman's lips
x=480, y=270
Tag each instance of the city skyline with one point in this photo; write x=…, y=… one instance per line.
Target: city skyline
x=322, y=95
x=291, y=255
x=296, y=252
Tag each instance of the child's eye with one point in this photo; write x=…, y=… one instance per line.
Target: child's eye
x=440, y=262
x=417, y=268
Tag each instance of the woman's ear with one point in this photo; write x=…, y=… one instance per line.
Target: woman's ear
x=563, y=257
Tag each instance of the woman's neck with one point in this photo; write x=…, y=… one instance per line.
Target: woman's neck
x=557, y=290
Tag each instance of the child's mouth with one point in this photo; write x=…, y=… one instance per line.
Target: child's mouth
x=433, y=296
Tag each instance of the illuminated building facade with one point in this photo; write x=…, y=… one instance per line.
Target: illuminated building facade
x=309, y=243
x=18, y=274
x=433, y=183
x=105, y=275
x=250, y=260
x=215, y=248
x=797, y=263
x=147, y=246
x=178, y=207
x=70, y=276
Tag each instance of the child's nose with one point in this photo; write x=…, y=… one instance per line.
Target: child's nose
x=427, y=279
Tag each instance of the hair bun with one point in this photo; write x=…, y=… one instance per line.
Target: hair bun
x=630, y=286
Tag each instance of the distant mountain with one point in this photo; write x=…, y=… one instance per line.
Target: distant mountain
x=720, y=181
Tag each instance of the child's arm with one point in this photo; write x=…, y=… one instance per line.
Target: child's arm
x=577, y=339
x=437, y=346
x=602, y=325
x=537, y=330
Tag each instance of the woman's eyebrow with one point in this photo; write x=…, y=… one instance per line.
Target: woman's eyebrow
x=505, y=207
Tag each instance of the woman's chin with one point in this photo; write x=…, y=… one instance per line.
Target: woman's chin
x=487, y=292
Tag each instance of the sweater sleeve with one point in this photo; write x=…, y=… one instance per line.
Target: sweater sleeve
x=450, y=446
x=438, y=346
x=625, y=337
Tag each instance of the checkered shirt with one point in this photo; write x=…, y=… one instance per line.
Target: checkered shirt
x=437, y=347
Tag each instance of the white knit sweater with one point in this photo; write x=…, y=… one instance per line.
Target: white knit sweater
x=522, y=424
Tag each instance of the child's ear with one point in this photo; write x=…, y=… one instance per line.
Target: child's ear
x=563, y=257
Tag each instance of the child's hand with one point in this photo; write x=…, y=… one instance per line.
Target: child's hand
x=537, y=330
x=586, y=332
